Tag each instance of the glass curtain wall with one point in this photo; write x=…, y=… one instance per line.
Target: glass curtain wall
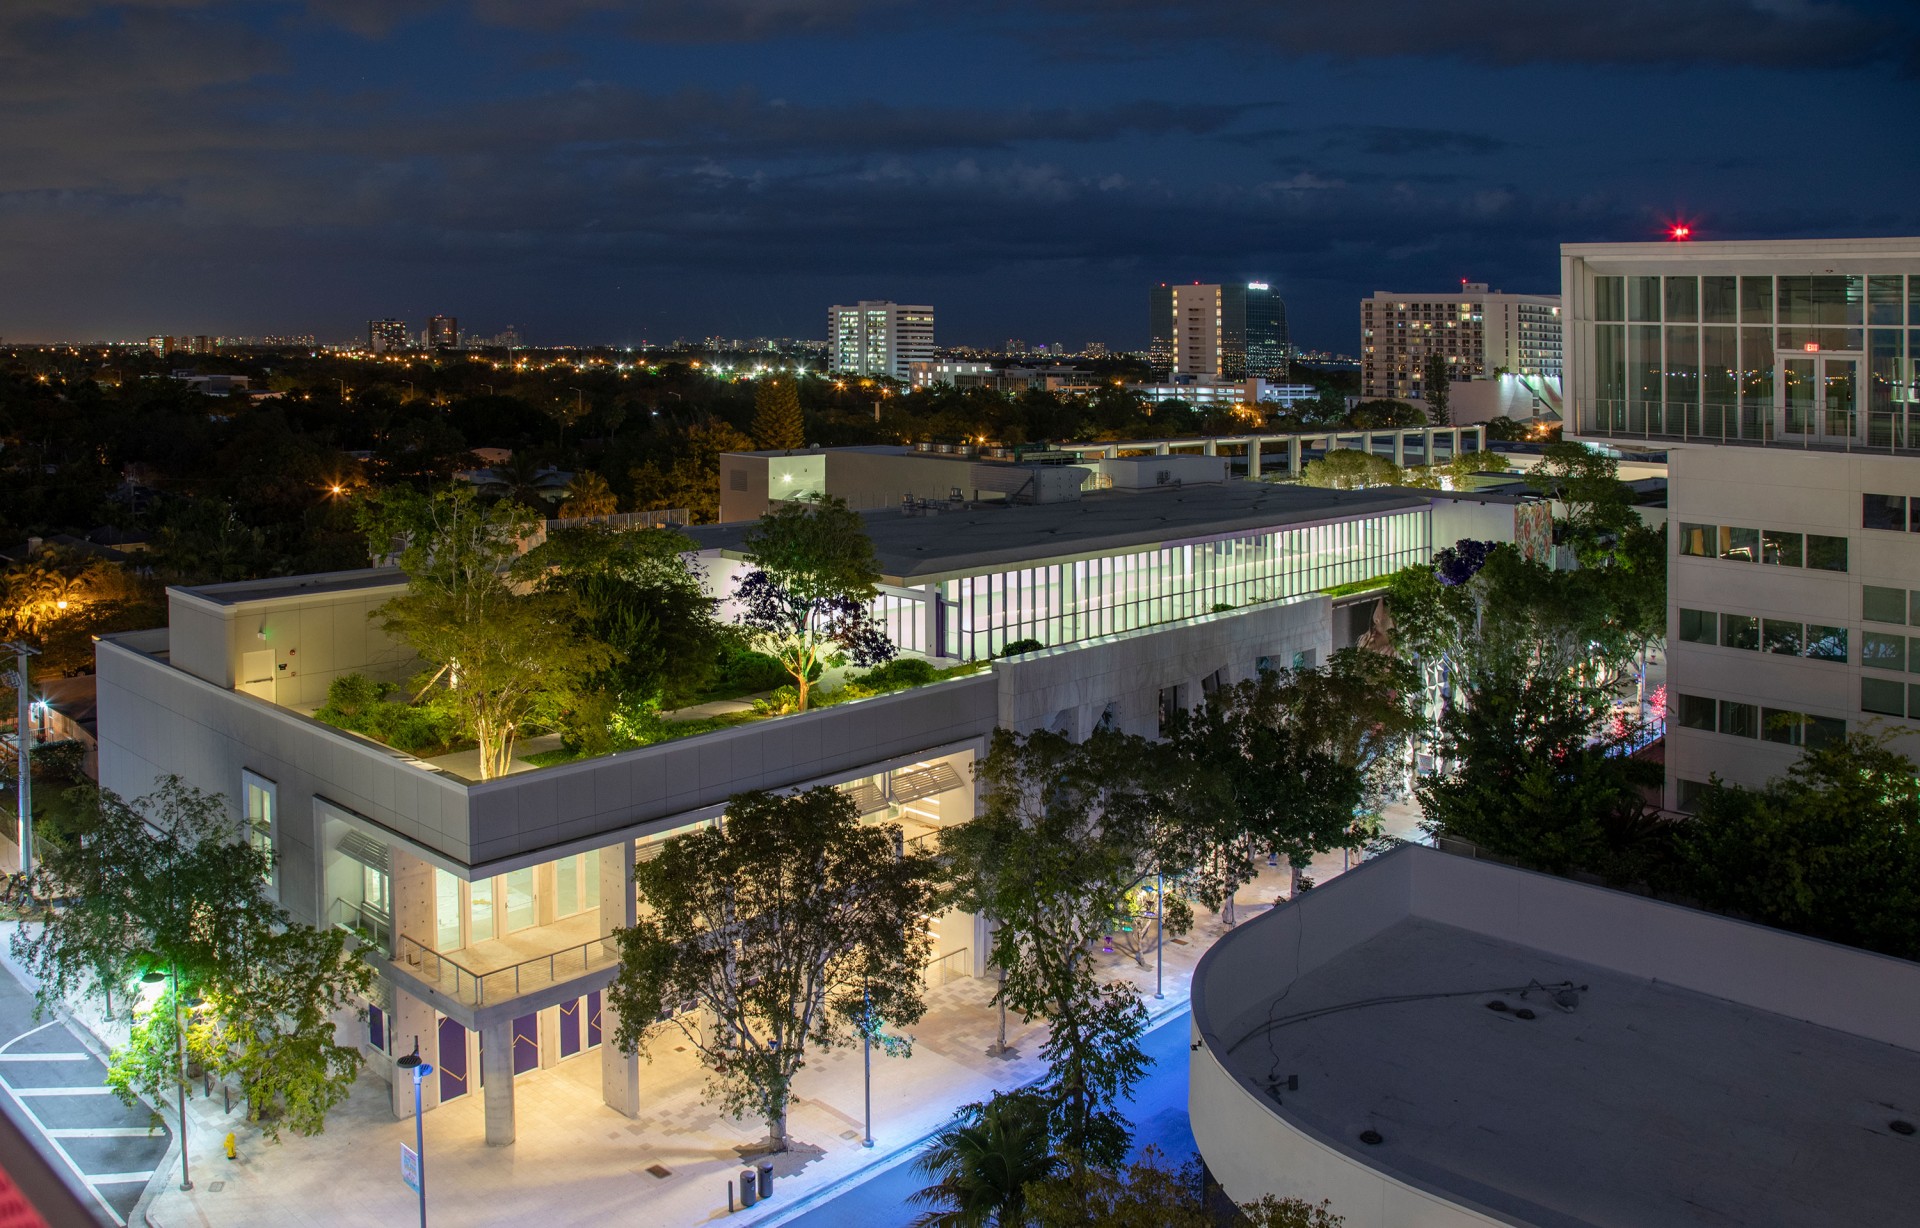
x=1697, y=357
x=1063, y=603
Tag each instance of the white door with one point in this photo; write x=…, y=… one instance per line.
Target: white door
x=256, y=673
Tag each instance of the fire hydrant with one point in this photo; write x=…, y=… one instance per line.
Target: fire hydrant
x=230, y=1152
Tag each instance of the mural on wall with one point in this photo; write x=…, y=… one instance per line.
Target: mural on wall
x=1533, y=531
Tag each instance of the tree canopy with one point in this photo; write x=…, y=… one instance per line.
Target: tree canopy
x=166, y=883
x=1350, y=469
x=789, y=927
x=805, y=599
x=777, y=422
x=498, y=658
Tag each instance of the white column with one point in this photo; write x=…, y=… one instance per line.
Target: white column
x=1253, y=459
x=410, y=1018
x=496, y=1070
x=410, y=882
x=619, y=1071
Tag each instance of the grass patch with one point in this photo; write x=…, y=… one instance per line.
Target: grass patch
x=1358, y=586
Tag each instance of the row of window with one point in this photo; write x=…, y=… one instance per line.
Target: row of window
x=1782, y=549
x=1886, y=697
x=1889, y=605
x=1743, y=720
x=1842, y=299
x=1890, y=512
x=1815, y=641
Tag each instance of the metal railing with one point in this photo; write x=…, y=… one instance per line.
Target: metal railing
x=367, y=924
x=504, y=984
x=949, y=967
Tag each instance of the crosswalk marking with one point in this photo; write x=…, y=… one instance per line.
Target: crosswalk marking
x=62, y=1091
x=118, y=1178
x=46, y=1057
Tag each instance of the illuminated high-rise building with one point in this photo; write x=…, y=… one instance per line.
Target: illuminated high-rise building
x=387, y=336
x=879, y=338
x=1227, y=331
x=443, y=333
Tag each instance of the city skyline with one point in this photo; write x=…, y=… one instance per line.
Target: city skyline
x=600, y=179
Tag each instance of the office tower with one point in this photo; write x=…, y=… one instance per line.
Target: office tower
x=443, y=333
x=879, y=338
x=1226, y=331
x=387, y=336
x=1778, y=378
x=163, y=346
x=1477, y=331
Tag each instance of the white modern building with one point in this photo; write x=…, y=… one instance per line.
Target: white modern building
x=1780, y=380
x=884, y=475
x=487, y=906
x=1487, y=339
x=1430, y=1041
x=878, y=338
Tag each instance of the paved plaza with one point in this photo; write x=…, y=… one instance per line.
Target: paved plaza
x=576, y=1161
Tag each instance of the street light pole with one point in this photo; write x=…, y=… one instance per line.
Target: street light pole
x=866, y=1058
x=420, y=1069
x=172, y=977
x=1159, y=932
x=23, y=790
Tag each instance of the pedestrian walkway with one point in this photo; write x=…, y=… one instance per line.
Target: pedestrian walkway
x=576, y=1161
x=55, y=1087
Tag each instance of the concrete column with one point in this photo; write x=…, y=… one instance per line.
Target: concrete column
x=1400, y=448
x=1366, y=442
x=1163, y=449
x=983, y=928
x=547, y=1028
x=1210, y=448
x=496, y=1070
x=410, y=879
x=1293, y=455
x=1112, y=452
x=619, y=1071
x=1253, y=459
x=1427, y=437
x=412, y=1017
x=1458, y=435
x=544, y=877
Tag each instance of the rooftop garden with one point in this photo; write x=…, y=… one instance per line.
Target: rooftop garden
x=601, y=640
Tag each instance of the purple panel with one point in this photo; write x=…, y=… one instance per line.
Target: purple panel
x=526, y=1043
x=453, y=1060
x=593, y=1018
x=377, y=1028
x=570, y=1028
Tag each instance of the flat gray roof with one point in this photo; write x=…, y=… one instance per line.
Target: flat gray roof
x=274, y=588
x=1006, y=534
x=1646, y=1105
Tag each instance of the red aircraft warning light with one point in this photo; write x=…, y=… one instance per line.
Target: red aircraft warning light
x=1679, y=232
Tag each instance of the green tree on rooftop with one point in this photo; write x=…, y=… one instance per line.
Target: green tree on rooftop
x=777, y=423
x=804, y=602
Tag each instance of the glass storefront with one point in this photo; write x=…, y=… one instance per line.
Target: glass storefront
x=1064, y=603
x=1832, y=359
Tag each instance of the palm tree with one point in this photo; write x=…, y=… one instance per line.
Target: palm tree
x=982, y=1163
x=589, y=495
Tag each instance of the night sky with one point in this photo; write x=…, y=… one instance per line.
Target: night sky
x=605, y=171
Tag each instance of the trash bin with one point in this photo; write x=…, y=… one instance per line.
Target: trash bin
x=766, y=1178
x=749, y=1194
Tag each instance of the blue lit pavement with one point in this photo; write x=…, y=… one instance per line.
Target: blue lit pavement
x=1158, y=1110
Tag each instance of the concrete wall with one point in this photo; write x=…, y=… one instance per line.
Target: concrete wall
x=314, y=637
x=535, y=811
x=1254, y=1147
x=1068, y=689
x=156, y=720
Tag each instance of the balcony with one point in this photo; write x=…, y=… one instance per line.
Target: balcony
x=502, y=969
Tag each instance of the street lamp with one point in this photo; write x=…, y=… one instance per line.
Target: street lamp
x=24, y=787
x=154, y=977
x=420, y=1069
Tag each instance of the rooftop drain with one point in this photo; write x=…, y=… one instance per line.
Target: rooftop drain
x=1372, y=1138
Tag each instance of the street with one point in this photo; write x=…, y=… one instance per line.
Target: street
x=56, y=1089
x=1158, y=1111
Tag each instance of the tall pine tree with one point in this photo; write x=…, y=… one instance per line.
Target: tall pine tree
x=777, y=425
